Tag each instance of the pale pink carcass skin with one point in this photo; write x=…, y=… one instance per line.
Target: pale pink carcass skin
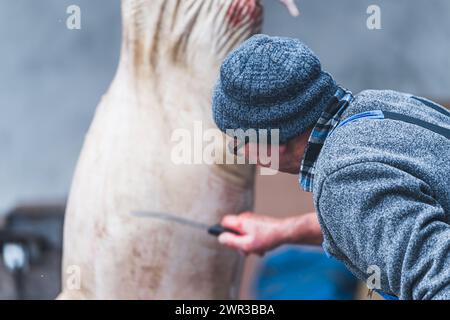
x=170, y=58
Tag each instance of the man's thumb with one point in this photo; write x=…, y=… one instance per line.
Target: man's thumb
x=233, y=241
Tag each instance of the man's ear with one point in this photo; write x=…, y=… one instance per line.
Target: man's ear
x=282, y=148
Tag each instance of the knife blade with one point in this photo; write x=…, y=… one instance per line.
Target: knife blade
x=214, y=230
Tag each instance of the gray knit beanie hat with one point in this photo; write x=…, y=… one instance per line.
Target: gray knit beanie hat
x=271, y=83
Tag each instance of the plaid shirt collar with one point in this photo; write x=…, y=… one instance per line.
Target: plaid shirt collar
x=327, y=122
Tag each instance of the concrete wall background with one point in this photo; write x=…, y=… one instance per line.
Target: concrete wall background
x=411, y=53
x=51, y=78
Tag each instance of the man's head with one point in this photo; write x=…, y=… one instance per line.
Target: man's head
x=288, y=155
x=273, y=83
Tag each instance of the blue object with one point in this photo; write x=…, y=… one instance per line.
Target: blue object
x=386, y=296
x=374, y=114
x=303, y=273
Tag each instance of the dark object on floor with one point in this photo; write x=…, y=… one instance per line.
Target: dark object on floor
x=30, y=252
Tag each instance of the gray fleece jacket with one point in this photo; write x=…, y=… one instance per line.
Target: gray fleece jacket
x=382, y=193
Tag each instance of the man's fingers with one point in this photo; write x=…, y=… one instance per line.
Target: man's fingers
x=234, y=241
x=241, y=223
x=232, y=222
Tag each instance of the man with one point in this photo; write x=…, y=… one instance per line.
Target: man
x=378, y=164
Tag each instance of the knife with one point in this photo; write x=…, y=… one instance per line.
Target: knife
x=214, y=230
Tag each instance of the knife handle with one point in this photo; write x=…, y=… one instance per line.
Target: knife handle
x=218, y=229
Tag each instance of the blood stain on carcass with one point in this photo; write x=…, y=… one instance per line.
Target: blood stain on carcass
x=239, y=9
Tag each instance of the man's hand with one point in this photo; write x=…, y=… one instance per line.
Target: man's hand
x=260, y=234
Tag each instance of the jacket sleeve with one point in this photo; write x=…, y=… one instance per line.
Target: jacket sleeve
x=375, y=214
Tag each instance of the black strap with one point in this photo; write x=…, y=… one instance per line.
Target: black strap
x=433, y=106
x=432, y=127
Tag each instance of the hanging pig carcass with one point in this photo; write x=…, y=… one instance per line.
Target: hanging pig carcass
x=170, y=58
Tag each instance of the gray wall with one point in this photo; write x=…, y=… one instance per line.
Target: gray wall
x=51, y=78
x=411, y=52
